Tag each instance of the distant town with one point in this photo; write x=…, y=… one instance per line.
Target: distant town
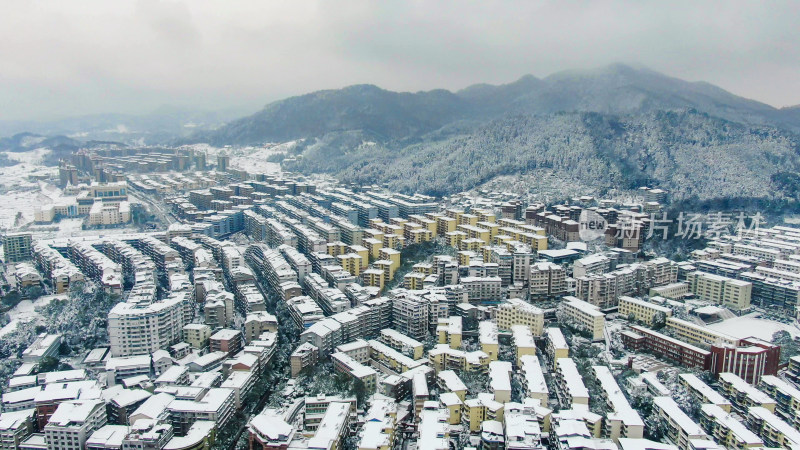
x=188, y=298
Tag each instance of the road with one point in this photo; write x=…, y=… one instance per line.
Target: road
x=154, y=206
x=262, y=401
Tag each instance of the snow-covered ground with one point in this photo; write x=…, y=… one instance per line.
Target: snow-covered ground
x=25, y=311
x=746, y=326
x=255, y=159
x=30, y=157
x=10, y=327
x=72, y=227
x=20, y=195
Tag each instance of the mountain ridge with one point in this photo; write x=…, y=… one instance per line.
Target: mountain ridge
x=406, y=116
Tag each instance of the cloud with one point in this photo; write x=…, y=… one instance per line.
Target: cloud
x=89, y=56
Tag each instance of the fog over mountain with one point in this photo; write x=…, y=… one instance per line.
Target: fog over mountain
x=613, y=126
x=614, y=89
x=616, y=126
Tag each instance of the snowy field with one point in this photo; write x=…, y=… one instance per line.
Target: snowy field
x=71, y=227
x=249, y=158
x=254, y=159
x=745, y=326
x=20, y=194
x=23, y=196
x=32, y=157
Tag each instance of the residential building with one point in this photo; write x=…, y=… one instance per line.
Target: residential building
x=135, y=329
x=73, y=422
x=680, y=428
x=584, y=316
x=449, y=331
x=570, y=383
x=17, y=247
x=743, y=395
x=641, y=310
x=196, y=334
x=269, y=431
x=519, y=312
x=728, y=292
x=410, y=316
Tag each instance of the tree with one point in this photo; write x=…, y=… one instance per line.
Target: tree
x=653, y=427
x=462, y=441
x=431, y=340
x=470, y=323
x=659, y=320
x=788, y=345
x=11, y=299
x=642, y=403
x=616, y=347
x=48, y=364
x=517, y=388
x=33, y=292
x=476, y=382
x=81, y=319
x=507, y=353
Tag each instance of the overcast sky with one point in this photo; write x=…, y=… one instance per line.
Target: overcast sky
x=66, y=58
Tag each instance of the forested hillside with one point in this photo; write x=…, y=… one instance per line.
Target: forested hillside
x=689, y=153
x=613, y=127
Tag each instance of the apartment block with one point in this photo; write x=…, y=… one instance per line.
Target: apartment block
x=583, y=315
x=570, y=383
x=534, y=383
x=343, y=363
x=743, y=395
x=73, y=422
x=448, y=331
x=136, y=329
x=734, y=294
x=642, y=311
x=555, y=344
x=772, y=429
x=703, y=393
x=623, y=421
x=392, y=359
x=305, y=355
x=726, y=429
x=402, y=343
x=547, y=280
x=680, y=428
x=488, y=339
x=786, y=395
x=410, y=316
x=519, y=312
x=216, y=405
x=17, y=247
x=523, y=342
x=442, y=357
x=448, y=381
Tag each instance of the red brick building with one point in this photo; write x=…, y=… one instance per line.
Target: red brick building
x=669, y=348
x=750, y=359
